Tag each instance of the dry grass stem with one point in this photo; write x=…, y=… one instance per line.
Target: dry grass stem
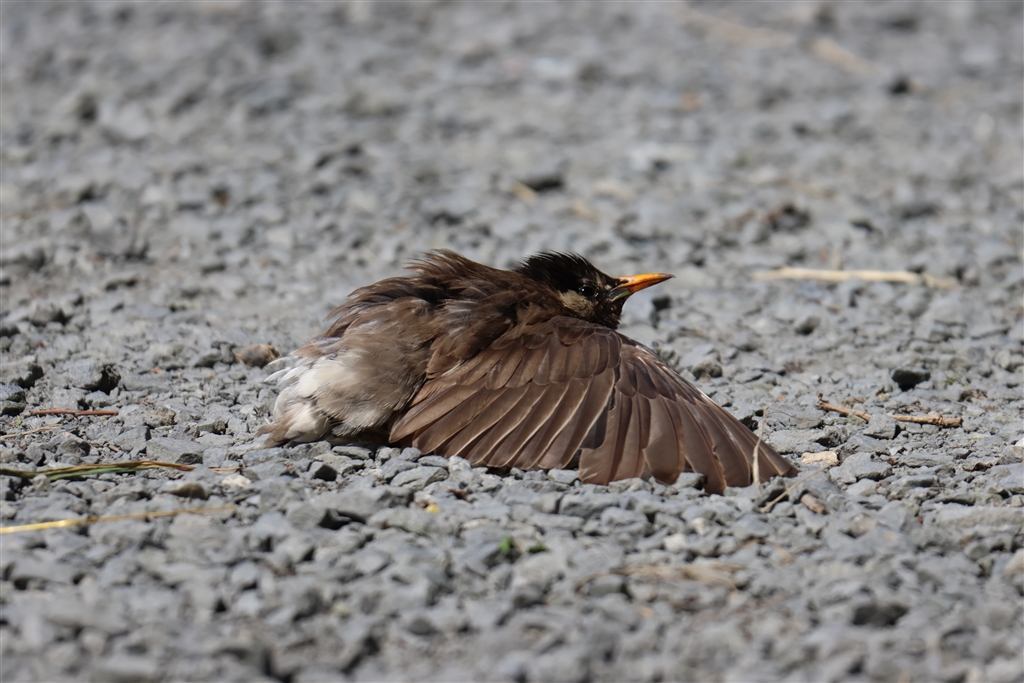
x=523, y=193
x=94, y=469
x=720, y=29
x=64, y=523
x=47, y=428
x=823, y=48
x=846, y=275
x=580, y=208
x=830, y=51
x=67, y=411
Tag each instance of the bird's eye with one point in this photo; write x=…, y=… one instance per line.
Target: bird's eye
x=587, y=291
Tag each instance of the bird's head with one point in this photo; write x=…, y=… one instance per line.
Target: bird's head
x=584, y=290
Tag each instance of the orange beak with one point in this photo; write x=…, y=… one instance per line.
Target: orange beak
x=634, y=283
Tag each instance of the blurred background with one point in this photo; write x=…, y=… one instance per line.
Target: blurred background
x=268, y=157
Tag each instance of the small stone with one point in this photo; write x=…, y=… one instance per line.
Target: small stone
x=217, y=426
x=187, y=489
x=91, y=375
x=48, y=312
x=11, y=392
x=864, y=466
x=922, y=459
x=257, y=355
x=1015, y=566
x=743, y=341
x=387, y=453
x=1006, y=479
x=413, y=520
x=74, y=448
x=125, y=668
x=73, y=188
x=395, y=466
x=419, y=477
x=953, y=516
x=323, y=472
x=159, y=416
x=434, y=461
x=688, y=480
x=66, y=399
x=864, y=487
x=12, y=399
x=207, y=359
x=133, y=439
x=879, y=614
x=909, y=377
x=566, y=477
x=23, y=373
x=267, y=470
x=794, y=440
x=129, y=123
x=676, y=543
x=806, y=324
x=99, y=399
x=12, y=407
x=180, y=451
x=421, y=625
x=305, y=515
x=587, y=505
x=235, y=481
x=828, y=458
x=914, y=481
x=361, y=504
x=357, y=452
x=881, y=426
x=548, y=174
x=605, y=584
x=706, y=367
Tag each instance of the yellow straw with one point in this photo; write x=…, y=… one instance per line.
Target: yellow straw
x=62, y=523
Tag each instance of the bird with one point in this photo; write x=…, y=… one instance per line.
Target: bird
x=510, y=368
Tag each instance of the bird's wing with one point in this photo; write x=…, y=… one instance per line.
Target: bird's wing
x=540, y=395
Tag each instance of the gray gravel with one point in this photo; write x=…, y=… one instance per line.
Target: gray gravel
x=183, y=180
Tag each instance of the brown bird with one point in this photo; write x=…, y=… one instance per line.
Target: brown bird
x=511, y=368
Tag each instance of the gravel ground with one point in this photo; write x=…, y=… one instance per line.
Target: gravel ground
x=182, y=180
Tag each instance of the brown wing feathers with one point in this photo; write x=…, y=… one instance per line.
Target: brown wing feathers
x=565, y=386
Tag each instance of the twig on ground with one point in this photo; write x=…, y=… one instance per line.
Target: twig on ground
x=933, y=419
x=846, y=275
x=63, y=523
x=67, y=411
x=825, y=405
